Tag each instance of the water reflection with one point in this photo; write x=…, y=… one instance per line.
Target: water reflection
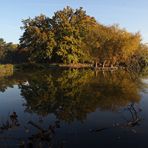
x=41, y=138
x=134, y=120
x=71, y=95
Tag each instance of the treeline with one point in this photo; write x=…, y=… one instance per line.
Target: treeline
x=10, y=53
x=7, y=51
x=72, y=36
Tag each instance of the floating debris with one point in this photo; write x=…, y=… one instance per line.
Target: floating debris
x=134, y=121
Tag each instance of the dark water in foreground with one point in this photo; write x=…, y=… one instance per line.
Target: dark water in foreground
x=74, y=109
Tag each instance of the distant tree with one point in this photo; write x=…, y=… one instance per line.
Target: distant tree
x=11, y=53
x=140, y=58
x=8, y=52
x=2, y=49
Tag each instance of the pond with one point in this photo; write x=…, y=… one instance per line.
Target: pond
x=74, y=109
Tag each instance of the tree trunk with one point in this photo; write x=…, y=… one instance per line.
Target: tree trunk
x=104, y=63
x=96, y=73
x=112, y=66
x=96, y=64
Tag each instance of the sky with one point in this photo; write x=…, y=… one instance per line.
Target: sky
x=129, y=14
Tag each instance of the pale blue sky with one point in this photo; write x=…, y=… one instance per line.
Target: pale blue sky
x=129, y=14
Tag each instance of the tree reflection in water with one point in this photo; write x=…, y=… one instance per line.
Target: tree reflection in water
x=42, y=137
x=73, y=94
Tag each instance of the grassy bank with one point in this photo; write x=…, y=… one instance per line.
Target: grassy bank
x=6, y=70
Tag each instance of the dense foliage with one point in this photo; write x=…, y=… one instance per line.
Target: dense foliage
x=72, y=36
x=10, y=53
x=7, y=51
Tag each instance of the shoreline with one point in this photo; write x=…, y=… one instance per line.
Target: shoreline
x=10, y=68
x=62, y=66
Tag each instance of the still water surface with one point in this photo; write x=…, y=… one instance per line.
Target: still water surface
x=74, y=109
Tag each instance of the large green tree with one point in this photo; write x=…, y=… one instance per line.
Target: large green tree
x=38, y=38
x=72, y=36
x=72, y=27
x=60, y=38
